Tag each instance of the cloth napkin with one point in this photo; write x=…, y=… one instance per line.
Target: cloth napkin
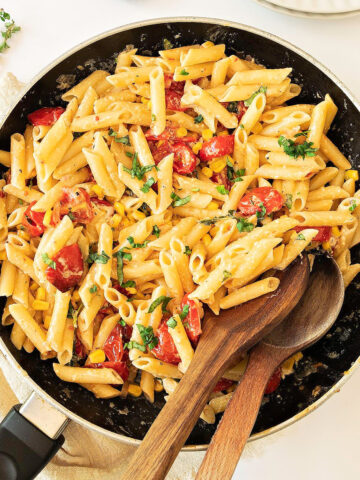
x=85, y=455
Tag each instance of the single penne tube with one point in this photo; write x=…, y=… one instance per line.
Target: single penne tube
x=175, y=53
x=60, y=235
x=56, y=156
x=195, y=56
x=165, y=180
x=262, y=142
x=327, y=193
x=30, y=327
x=319, y=219
x=135, y=271
x=249, y=292
x=127, y=75
x=99, y=171
x=77, y=145
x=294, y=119
x=277, y=114
x=39, y=132
x=317, y=124
x=177, y=249
x=223, y=235
x=17, y=336
x=350, y=274
x=300, y=195
x=157, y=368
x=283, y=173
x=196, y=212
x=171, y=275
x=7, y=278
x=189, y=183
x=180, y=230
x=127, y=313
x=124, y=59
x=87, y=375
x=57, y=325
x=147, y=385
x=296, y=245
x=282, y=159
x=141, y=320
x=323, y=177
x=140, y=144
x=106, y=327
x=103, y=270
x=251, y=159
x=21, y=288
x=182, y=119
x=29, y=152
x=333, y=153
x=79, y=90
x=193, y=71
x=101, y=390
x=86, y=106
x=65, y=352
x=17, y=158
x=21, y=261
x=137, y=186
x=181, y=341
x=253, y=113
x=157, y=96
x=263, y=76
x=219, y=72
x=290, y=91
x=319, y=205
x=88, y=314
x=115, y=95
x=331, y=111
x=219, y=404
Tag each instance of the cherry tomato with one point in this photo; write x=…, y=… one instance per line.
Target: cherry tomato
x=69, y=268
x=165, y=350
x=274, y=382
x=217, y=147
x=324, y=234
x=192, y=321
x=184, y=158
x=45, y=116
x=160, y=152
x=120, y=367
x=173, y=101
x=113, y=347
x=33, y=221
x=223, y=384
x=79, y=348
x=76, y=203
x=252, y=201
x=171, y=84
x=222, y=179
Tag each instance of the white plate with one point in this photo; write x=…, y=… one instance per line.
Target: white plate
x=319, y=6
x=273, y=5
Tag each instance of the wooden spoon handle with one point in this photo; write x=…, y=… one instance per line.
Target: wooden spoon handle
x=238, y=420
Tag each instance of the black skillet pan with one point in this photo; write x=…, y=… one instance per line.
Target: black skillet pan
x=318, y=374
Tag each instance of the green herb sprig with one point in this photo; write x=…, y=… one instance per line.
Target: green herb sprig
x=10, y=29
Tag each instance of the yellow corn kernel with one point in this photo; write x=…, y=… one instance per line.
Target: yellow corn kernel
x=206, y=240
x=134, y=390
x=76, y=296
x=207, y=172
x=97, y=356
x=223, y=133
x=3, y=255
x=119, y=208
x=138, y=215
x=207, y=44
x=197, y=147
x=326, y=245
x=47, y=217
x=214, y=231
x=207, y=134
x=131, y=290
x=354, y=174
x=212, y=206
x=336, y=231
x=218, y=164
x=116, y=219
x=47, y=320
x=40, y=305
x=125, y=222
x=34, y=286
x=41, y=293
x=24, y=235
x=98, y=191
x=158, y=386
x=181, y=132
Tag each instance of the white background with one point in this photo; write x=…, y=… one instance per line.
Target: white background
x=326, y=443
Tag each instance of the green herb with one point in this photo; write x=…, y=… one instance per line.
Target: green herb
x=98, y=258
x=129, y=154
x=93, y=289
x=195, y=190
x=289, y=200
x=232, y=107
x=249, y=101
x=136, y=245
x=184, y=72
x=167, y=44
x=153, y=117
x=134, y=344
x=302, y=134
x=293, y=150
x=10, y=29
x=120, y=255
x=187, y=250
x=137, y=170
x=163, y=301
x=226, y=275
x=71, y=216
x=129, y=284
x=124, y=140
x=221, y=189
x=21, y=202
x=171, y=323
x=352, y=206
x=300, y=237
x=186, y=325
x=232, y=174
x=147, y=185
x=211, y=221
x=241, y=126
x=22, y=227
x=185, y=312
x=48, y=261
x=244, y=226
x=198, y=119
x=261, y=214
x=72, y=313
x=156, y=231
x=178, y=202
x=122, y=323
x=147, y=336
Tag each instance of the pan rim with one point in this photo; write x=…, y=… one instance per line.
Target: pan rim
x=155, y=21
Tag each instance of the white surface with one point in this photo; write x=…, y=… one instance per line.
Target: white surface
x=319, y=6
x=324, y=444
x=304, y=13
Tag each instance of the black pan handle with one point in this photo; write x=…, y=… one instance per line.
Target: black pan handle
x=25, y=448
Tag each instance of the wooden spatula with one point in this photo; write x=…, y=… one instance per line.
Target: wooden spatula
x=224, y=339
x=311, y=319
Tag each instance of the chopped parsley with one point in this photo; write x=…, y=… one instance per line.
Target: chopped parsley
x=244, y=226
x=300, y=237
x=232, y=174
x=171, y=323
x=21, y=202
x=98, y=258
x=93, y=289
x=167, y=44
x=289, y=201
x=136, y=245
x=226, y=275
x=129, y=284
x=232, y=107
x=292, y=149
x=71, y=216
x=198, y=119
x=147, y=185
x=124, y=140
x=187, y=250
x=184, y=72
x=352, y=206
x=211, y=221
x=221, y=189
x=122, y=322
x=249, y=101
x=120, y=255
x=10, y=29
x=302, y=134
x=162, y=300
x=153, y=117
x=178, y=202
x=137, y=170
x=261, y=214
x=185, y=312
x=156, y=231
x=47, y=260
x=72, y=313
x=134, y=344
x=147, y=336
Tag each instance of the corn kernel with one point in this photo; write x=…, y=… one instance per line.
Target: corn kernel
x=47, y=217
x=131, y=290
x=40, y=305
x=158, y=386
x=208, y=44
x=214, y=231
x=218, y=164
x=138, y=215
x=3, y=255
x=212, y=206
x=207, y=172
x=336, y=231
x=47, y=320
x=34, y=286
x=206, y=240
x=326, y=246
x=125, y=222
x=98, y=191
x=115, y=221
x=40, y=294
x=134, y=390
x=207, y=134
x=354, y=174
x=24, y=235
x=223, y=133
x=97, y=356
x=197, y=147
x=76, y=296
x=181, y=132
x=119, y=208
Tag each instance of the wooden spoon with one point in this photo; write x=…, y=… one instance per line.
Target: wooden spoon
x=223, y=341
x=310, y=320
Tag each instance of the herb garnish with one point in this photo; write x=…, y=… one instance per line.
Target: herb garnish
x=261, y=214
x=147, y=336
x=353, y=205
x=137, y=170
x=198, y=119
x=120, y=255
x=167, y=44
x=289, y=200
x=184, y=312
x=156, y=231
x=221, y=189
x=153, y=117
x=171, y=322
x=300, y=237
x=184, y=72
x=244, y=226
x=162, y=300
x=249, y=101
x=10, y=27
x=292, y=149
x=47, y=260
x=136, y=245
x=122, y=322
x=187, y=250
x=134, y=344
x=226, y=275
x=232, y=107
x=232, y=174
x=178, y=202
x=129, y=284
x=147, y=185
x=124, y=140
x=72, y=313
x=98, y=258
x=93, y=289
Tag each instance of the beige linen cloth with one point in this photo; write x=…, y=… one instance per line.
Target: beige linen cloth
x=85, y=455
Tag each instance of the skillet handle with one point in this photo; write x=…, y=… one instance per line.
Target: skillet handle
x=25, y=448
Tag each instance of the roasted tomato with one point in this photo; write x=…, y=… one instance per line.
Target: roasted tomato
x=113, y=347
x=222, y=179
x=69, y=267
x=171, y=84
x=120, y=367
x=76, y=203
x=324, y=234
x=160, y=152
x=45, y=116
x=223, y=384
x=274, y=382
x=256, y=198
x=165, y=350
x=173, y=101
x=33, y=221
x=192, y=322
x=184, y=159
x=238, y=108
x=79, y=349
x=217, y=147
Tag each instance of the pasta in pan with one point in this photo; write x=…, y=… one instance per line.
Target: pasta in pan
x=173, y=183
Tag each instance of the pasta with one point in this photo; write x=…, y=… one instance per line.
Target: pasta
x=175, y=181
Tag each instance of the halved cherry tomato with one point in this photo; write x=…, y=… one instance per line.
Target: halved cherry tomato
x=171, y=84
x=173, y=101
x=160, y=152
x=184, y=158
x=33, y=221
x=252, y=201
x=223, y=384
x=113, y=347
x=75, y=202
x=217, y=147
x=45, y=116
x=165, y=350
x=274, y=382
x=120, y=367
x=222, y=179
x=69, y=268
x=324, y=234
x=192, y=322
